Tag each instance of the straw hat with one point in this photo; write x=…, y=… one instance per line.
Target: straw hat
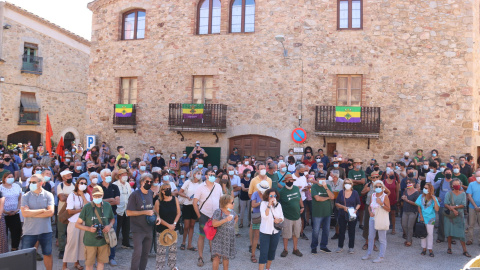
x=357, y=160
x=263, y=186
x=120, y=172
x=167, y=238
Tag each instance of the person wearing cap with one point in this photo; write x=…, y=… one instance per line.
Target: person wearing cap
x=139, y=207
x=111, y=195
x=223, y=244
x=123, y=221
x=197, y=152
x=64, y=189
x=406, y=158
x=321, y=213
x=234, y=157
x=95, y=249
x=37, y=209
x=336, y=166
x=359, y=179
x=254, y=233
x=292, y=205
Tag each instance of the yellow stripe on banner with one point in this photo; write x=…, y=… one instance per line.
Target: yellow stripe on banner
x=121, y=110
x=342, y=114
x=188, y=111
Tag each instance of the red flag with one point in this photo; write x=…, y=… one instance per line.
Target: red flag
x=48, y=136
x=60, y=148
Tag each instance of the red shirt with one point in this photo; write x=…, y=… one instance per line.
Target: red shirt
x=472, y=179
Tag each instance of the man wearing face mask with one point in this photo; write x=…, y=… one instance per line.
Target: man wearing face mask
x=457, y=174
x=90, y=168
x=77, y=170
x=197, y=152
x=66, y=162
x=292, y=206
x=441, y=189
x=63, y=190
x=281, y=173
x=358, y=178
x=30, y=154
x=473, y=196
x=111, y=195
x=184, y=162
x=336, y=166
x=301, y=182
x=465, y=168
x=234, y=157
x=148, y=156
x=9, y=164
x=245, y=165
x=430, y=176
x=261, y=176
x=123, y=221
x=322, y=210
x=2, y=169
x=205, y=201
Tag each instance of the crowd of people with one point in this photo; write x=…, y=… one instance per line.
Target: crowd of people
x=94, y=198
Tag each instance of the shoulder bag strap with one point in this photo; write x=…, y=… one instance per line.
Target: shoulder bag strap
x=207, y=197
x=96, y=213
x=143, y=199
x=280, y=180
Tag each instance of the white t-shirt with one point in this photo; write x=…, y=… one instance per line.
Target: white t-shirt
x=213, y=202
x=11, y=196
x=125, y=192
x=27, y=172
x=189, y=189
x=430, y=177
x=235, y=181
x=66, y=190
x=300, y=182
x=75, y=202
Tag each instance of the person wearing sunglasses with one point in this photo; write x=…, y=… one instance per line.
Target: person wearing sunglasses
x=271, y=213
x=428, y=205
x=379, y=199
x=223, y=245
x=139, y=207
x=75, y=249
x=37, y=209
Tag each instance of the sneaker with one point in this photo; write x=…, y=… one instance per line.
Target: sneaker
x=113, y=262
x=366, y=257
x=60, y=255
x=297, y=252
x=360, y=227
x=284, y=253
x=39, y=257
x=325, y=250
x=351, y=251
x=126, y=247
x=334, y=237
x=377, y=260
x=314, y=251
x=339, y=250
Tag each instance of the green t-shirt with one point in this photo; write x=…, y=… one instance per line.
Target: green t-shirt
x=357, y=175
x=274, y=178
x=290, y=201
x=462, y=178
x=439, y=176
x=321, y=209
x=89, y=218
x=2, y=173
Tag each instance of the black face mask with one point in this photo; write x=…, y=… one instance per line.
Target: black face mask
x=410, y=175
x=349, y=164
x=71, y=168
x=134, y=166
x=92, y=169
x=376, y=169
x=69, y=181
x=7, y=159
x=391, y=176
x=448, y=175
x=147, y=186
x=123, y=166
x=168, y=192
x=289, y=184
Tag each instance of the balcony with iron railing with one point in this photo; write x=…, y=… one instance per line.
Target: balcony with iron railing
x=326, y=124
x=32, y=64
x=214, y=119
x=29, y=118
x=125, y=123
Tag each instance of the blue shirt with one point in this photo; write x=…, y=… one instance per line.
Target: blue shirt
x=256, y=197
x=12, y=167
x=185, y=160
x=18, y=160
x=428, y=210
x=280, y=176
x=474, y=190
x=443, y=191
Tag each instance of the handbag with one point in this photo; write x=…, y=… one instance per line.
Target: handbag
x=110, y=236
x=446, y=212
x=63, y=214
x=420, y=230
x=151, y=220
x=277, y=226
x=256, y=218
x=382, y=220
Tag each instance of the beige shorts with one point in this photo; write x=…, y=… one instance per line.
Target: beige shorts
x=291, y=228
x=100, y=253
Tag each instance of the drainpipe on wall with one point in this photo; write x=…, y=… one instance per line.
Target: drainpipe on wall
x=2, y=22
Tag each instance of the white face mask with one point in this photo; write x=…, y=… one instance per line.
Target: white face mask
x=305, y=173
x=478, y=179
x=348, y=186
x=263, y=172
x=124, y=178
x=330, y=178
x=82, y=187
x=198, y=176
x=95, y=181
x=246, y=162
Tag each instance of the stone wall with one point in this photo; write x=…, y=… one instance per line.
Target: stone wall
x=417, y=60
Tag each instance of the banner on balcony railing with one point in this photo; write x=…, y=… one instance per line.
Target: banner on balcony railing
x=192, y=111
x=347, y=114
x=123, y=110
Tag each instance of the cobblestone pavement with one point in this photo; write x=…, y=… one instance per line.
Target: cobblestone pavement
x=397, y=256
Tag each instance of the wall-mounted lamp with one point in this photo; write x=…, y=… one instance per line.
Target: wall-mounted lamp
x=281, y=39
x=7, y=26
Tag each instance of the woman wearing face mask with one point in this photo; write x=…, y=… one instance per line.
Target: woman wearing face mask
x=166, y=180
x=427, y=207
x=414, y=169
x=226, y=185
x=158, y=161
x=110, y=164
x=291, y=164
x=244, y=198
x=455, y=201
x=271, y=213
x=123, y=221
x=394, y=186
x=168, y=209
x=379, y=201
x=410, y=210
x=173, y=164
x=26, y=172
x=13, y=196
x=347, y=198
x=245, y=165
x=75, y=249
x=189, y=216
x=433, y=156
x=223, y=245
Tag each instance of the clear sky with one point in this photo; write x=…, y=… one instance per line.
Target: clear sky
x=72, y=15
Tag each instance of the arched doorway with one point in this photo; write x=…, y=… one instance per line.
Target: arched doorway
x=255, y=145
x=68, y=139
x=24, y=137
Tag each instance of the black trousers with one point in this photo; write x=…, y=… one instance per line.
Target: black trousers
x=342, y=222
x=15, y=226
x=123, y=223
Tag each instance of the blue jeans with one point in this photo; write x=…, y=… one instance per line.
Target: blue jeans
x=382, y=236
x=268, y=247
x=112, y=250
x=45, y=240
x=317, y=222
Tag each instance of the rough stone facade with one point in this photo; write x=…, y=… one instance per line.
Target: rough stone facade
x=419, y=62
x=60, y=91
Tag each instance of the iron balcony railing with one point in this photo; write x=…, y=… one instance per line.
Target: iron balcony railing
x=32, y=64
x=325, y=122
x=125, y=121
x=214, y=119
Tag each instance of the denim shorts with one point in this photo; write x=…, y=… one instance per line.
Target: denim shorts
x=45, y=239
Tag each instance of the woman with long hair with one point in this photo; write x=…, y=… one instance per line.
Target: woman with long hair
x=427, y=207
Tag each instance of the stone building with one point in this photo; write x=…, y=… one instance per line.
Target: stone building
x=263, y=68
x=43, y=70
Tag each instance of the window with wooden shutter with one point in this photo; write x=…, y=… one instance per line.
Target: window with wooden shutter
x=349, y=90
x=128, y=91
x=202, y=89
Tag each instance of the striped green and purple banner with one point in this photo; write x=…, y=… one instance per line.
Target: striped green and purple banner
x=346, y=114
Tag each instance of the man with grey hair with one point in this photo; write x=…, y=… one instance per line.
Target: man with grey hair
x=302, y=184
x=282, y=172
x=37, y=209
x=90, y=168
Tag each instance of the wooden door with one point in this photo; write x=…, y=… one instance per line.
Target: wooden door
x=330, y=148
x=255, y=145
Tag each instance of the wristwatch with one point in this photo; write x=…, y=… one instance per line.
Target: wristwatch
x=174, y=223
